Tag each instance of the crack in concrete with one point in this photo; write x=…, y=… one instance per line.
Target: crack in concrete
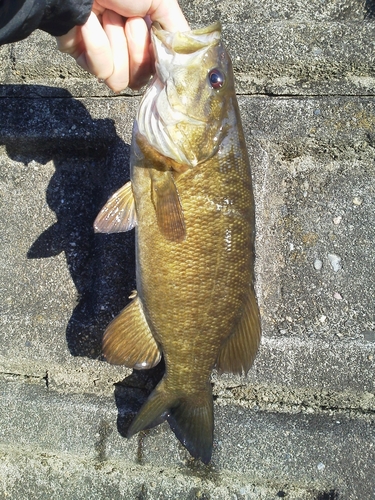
x=284, y=400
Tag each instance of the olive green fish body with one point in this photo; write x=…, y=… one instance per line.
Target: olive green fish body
x=191, y=201
x=193, y=291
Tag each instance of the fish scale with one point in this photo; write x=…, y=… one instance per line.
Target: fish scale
x=194, y=222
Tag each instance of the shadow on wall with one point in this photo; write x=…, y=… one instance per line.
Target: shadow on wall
x=91, y=162
x=370, y=9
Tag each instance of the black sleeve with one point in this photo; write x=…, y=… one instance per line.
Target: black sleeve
x=19, y=18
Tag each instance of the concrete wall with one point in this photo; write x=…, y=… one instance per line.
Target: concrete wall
x=301, y=424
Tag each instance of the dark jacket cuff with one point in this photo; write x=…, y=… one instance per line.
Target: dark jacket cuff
x=60, y=16
x=19, y=18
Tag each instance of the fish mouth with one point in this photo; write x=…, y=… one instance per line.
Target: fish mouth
x=167, y=116
x=188, y=42
x=182, y=49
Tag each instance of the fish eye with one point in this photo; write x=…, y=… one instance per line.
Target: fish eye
x=216, y=78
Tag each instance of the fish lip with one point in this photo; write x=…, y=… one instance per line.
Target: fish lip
x=186, y=41
x=206, y=30
x=161, y=34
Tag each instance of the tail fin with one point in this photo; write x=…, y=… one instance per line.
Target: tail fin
x=190, y=417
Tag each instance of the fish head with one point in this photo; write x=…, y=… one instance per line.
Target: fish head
x=184, y=111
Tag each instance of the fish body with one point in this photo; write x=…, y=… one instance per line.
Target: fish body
x=190, y=199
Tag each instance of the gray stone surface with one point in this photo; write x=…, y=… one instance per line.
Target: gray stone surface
x=287, y=48
x=256, y=454
x=301, y=424
x=268, y=11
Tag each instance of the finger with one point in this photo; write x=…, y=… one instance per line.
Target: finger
x=140, y=60
x=166, y=12
x=97, y=56
x=113, y=25
x=70, y=42
x=169, y=14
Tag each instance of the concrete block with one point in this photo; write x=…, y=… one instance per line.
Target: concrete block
x=301, y=425
x=265, y=12
x=292, y=48
x=309, y=166
x=71, y=447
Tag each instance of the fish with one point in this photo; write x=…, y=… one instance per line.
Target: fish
x=191, y=202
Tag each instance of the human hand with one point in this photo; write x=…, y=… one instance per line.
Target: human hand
x=114, y=43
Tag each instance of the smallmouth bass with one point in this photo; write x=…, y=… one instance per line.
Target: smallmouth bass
x=190, y=199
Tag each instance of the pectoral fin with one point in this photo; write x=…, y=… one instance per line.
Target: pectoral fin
x=167, y=205
x=128, y=339
x=118, y=214
x=239, y=350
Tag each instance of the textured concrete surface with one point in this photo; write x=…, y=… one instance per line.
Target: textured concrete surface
x=257, y=454
x=301, y=424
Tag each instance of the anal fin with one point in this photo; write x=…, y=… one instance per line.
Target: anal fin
x=128, y=339
x=238, y=351
x=118, y=214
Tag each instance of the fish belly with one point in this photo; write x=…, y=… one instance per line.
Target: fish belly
x=193, y=291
